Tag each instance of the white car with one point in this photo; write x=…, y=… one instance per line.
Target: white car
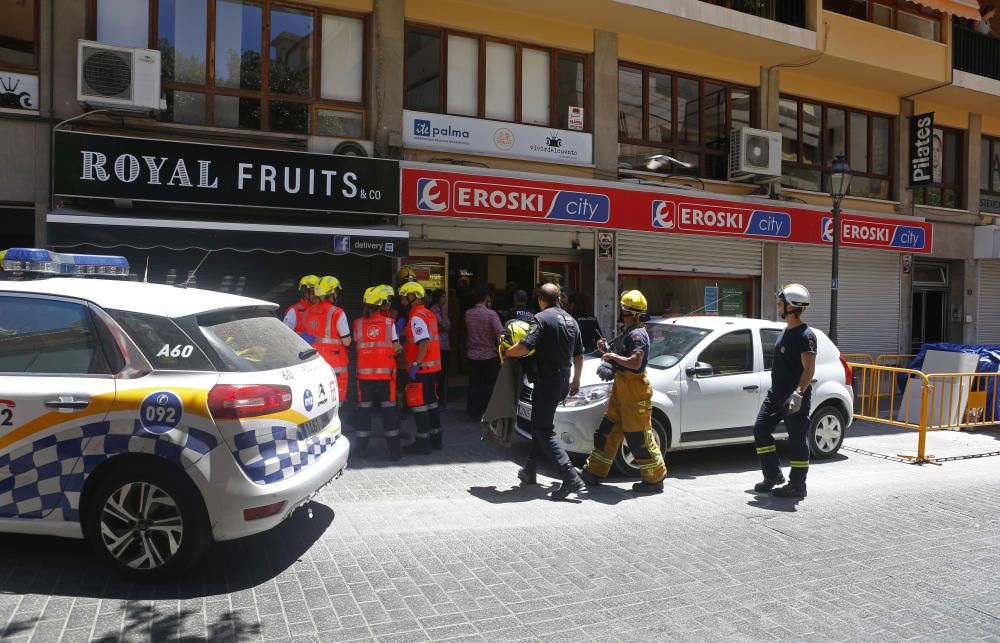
x=709, y=377
x=152, y=419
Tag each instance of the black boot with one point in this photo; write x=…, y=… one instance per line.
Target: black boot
x=436, y=440
x=590, y=479
x=394, y=450
x=526, y=474
x=422, y=446
x=571, y=483
x=791, y=490
x=767, y=484
x=648, y=487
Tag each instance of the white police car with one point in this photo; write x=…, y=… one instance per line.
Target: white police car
x=150, y=419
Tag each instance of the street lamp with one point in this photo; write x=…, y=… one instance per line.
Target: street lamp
x=840, y=183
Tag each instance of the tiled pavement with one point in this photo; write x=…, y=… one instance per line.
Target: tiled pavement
x=444, y=547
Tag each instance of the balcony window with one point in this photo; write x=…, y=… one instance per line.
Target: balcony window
x=902, y=15
x=667, y=121
x=475, y=76
x=249, y=64
x=785, y=11
x=947, y=171
x=813, y=134
x=975, y=52
x=19, y=35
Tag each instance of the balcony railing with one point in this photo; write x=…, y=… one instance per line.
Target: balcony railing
x=975, y=53
x=789, y=12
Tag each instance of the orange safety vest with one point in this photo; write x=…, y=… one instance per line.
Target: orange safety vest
x=321, y=323
x=301, y=309
x=432, y=358
x=376, y=358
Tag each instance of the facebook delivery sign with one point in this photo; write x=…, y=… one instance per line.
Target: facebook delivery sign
x=487, y=199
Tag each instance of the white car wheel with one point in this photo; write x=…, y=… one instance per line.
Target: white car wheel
x=826, y=432
x=625, y=461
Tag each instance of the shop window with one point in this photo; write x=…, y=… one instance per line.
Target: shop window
x=731, y=354
x=947, y=181
x=268, y=72
x=670, y=295
x=814, y=134
x=474, y=76
x=678, y=124
x=565, y=274
x=989, y=168
x=909, y=17
x=19, y=35
x=430, y=271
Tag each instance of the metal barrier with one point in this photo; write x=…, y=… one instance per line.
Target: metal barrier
x=863, y=392
x=910, y=399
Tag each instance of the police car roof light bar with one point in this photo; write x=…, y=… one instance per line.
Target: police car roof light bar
x=42, y=261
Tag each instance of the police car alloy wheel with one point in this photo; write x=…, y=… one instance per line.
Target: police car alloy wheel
x=826, y=432
x=625, y=461
x=146, y=522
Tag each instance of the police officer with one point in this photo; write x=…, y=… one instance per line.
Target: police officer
x=422, y=353
x=555, y=337
x=789, y=398
x=328, y=324
x=629, y=413
x=295, y=315
x=377, y=342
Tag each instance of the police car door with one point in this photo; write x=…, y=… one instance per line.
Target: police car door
x=722, y=405
x=55, y=387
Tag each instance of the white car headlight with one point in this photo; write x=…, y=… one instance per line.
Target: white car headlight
x=588, y=395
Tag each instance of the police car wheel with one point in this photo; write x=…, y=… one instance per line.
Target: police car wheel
x=146, y=523
x=625, y=461
x=826, y=432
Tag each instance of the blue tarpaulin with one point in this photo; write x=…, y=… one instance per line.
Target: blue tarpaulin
x=989, y=362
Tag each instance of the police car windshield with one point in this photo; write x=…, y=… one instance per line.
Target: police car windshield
x=669, y=343
x=249, y=340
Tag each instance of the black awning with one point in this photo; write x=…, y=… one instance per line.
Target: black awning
x=68, y=228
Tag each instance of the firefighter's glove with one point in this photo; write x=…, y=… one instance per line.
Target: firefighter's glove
x=606, y=371
x=412, y=372
x=794, y=403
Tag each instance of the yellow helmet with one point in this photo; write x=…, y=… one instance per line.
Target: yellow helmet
x=406, y=274
x=385, y=290
x=326, y=286
x=309, y=281
x=376, y=296
x=513, y=332
x=633, y=302
x=413, y=287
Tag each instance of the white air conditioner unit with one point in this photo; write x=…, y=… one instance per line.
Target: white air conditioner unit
x=333, y=145
x=754, y=152
x=119, y=77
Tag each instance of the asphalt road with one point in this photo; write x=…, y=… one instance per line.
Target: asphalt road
x=447, y=547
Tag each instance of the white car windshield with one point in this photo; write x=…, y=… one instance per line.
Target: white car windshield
x=669, y=343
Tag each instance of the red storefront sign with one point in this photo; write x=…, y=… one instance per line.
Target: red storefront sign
x=477, y=196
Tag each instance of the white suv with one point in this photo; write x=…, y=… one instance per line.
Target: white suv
x=709, y=377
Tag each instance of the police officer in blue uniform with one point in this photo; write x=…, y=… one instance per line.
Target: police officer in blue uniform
x=789, y=398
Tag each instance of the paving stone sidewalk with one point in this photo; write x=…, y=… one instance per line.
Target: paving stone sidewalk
x=445, y=547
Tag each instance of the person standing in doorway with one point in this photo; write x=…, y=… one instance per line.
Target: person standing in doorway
x=789, y=398
x=583, y=311
x=555, y=337
x=483, y=329
x=520, y=310
x=439, y=306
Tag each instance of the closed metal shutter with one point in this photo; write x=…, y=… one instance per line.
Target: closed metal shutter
x=687, y=254
x=988, y=328
x=868, y=307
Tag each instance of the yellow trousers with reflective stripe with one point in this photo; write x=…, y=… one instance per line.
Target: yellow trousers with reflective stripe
x=629, y=417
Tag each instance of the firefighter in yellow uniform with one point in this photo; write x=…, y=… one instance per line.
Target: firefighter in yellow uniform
x=629, y=414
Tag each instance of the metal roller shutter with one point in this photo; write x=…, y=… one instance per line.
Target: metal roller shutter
x=868, y=310
x=988, y=329
x=676, y=253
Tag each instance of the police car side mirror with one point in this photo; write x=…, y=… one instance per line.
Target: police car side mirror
x=700, y=369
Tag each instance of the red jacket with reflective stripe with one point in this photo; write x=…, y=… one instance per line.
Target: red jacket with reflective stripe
x=376, y=357
x=321, y=323
x=432, y=358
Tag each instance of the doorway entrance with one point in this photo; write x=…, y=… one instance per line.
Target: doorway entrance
x=929, y=305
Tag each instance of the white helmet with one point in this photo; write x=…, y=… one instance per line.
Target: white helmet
x=794, y=295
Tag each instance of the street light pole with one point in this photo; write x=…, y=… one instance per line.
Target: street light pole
x=840, y=183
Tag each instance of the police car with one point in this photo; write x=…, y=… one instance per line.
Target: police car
x=152, y=419
x=709, y=376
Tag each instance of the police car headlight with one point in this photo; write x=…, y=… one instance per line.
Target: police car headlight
x=588, y=395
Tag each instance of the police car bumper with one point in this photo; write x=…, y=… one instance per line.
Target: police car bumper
x=238, y=507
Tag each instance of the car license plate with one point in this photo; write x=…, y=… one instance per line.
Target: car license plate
x=308, y=429
x=524, y=411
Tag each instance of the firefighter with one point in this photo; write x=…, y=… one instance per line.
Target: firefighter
x=327, y=323
x=789, y=399
x=422, y=355
x=295, y=316
x=629, y=414
x=377, y=343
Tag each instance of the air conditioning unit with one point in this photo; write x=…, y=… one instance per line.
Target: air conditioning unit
x=343, y=146
x=119, y=77
x=754, y=152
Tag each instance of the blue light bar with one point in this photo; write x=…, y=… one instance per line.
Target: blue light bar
x=66, y=264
